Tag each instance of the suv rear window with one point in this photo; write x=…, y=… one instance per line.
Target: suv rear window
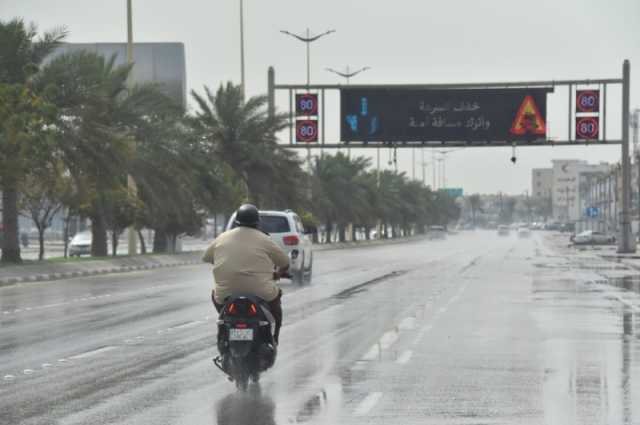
x=274, y=224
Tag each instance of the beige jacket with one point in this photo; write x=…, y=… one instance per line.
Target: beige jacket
x=243, y=262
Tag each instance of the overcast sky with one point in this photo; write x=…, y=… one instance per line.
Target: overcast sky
x=403, y=41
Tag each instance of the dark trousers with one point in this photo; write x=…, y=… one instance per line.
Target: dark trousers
x=275, y=307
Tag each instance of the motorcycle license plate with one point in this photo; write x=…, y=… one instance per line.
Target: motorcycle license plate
x=240, y=334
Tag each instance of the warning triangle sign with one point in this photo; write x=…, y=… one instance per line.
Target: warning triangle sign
x=528, y=119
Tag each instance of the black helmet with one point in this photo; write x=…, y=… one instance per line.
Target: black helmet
x=247, y=215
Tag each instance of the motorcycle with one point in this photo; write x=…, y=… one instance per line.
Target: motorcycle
x=245, y=339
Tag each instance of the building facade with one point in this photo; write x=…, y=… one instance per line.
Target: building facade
x=161, y=63
x=542, y=182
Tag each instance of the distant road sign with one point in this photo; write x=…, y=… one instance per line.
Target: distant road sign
x=454, y=192
x=592, y=212
x=307, y=104
x=306, y=131
x=389, y=114
x=587, y=128
x=587, y=101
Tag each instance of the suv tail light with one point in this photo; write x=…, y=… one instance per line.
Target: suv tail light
x=291, y=240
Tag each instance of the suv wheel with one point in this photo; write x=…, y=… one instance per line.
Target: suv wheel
x=298, y=275
x=309, y=271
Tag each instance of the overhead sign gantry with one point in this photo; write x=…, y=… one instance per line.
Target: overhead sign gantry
x=466, y=115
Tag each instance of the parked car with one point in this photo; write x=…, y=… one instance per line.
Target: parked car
x=589, y=237
x=437, y=232
x=504, y=230
x=524, y=232
x=285, y=229
x=80, y=244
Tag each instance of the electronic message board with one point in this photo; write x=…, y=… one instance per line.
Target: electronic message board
x=390, y=114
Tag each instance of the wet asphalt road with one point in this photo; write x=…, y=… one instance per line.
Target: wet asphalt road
x=476, y=329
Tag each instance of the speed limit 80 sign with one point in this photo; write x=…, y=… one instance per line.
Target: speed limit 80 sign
x=307, y=104
x=587, y=101
x=306, y=131
x=587, y=128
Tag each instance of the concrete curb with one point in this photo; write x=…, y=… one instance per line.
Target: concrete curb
x=364, y=244
x=43, y=277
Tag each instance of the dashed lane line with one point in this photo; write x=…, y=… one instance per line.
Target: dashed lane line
x=367, y=404
x=93, y=353
x=405, y=357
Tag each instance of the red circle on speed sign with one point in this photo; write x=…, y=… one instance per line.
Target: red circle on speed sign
x=306, y=131
x=587, y=101
x=587, y=128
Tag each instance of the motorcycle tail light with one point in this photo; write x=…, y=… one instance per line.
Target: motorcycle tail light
x=253, y=310
x=232, y=308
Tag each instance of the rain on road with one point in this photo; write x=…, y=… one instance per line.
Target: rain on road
x=473, y=329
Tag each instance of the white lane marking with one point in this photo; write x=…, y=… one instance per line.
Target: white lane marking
x=373, y=353
x=9, y=377
x=93, y=352
x=359, y=365
x=388, y=339
x=408, y=323
x=62, y=360
x=405, y=357
x=367, y=404
x=185, y=325
x=27, y=371
x=6, y=312
x=46, y=365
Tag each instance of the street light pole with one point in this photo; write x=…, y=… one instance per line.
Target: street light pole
x=131, y=184
x=308, y=39
x=242, y=76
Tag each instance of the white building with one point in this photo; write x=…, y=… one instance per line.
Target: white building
x=567, y=176
x=542, y=182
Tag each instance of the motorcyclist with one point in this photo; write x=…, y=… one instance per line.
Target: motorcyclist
x=244, y=260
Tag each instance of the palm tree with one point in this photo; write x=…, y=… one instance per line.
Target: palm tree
x=94, y=128
x=339, y=198
x=21, y=115
x=243, y=135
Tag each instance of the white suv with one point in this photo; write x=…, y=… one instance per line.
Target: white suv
x=285, y=228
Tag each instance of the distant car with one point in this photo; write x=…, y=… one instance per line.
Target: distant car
x=552, y=226
x=80, y=244
x=524, y=232
x=286, y=230
x=589, y=237
x=503, y=230
x=437, y=232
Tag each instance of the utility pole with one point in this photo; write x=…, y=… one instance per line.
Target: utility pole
x=627, y=242
x=131, y=184
x=635, y=124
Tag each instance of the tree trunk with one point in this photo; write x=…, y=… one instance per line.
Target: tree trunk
x=41, y=242
x=10, y=243
x=143, y=246
x=99, y=246
x=159, y=241
x=328, y=229
x=353, y=233
x=114, y=243
x=367, y=232
x=342, y=236
x=385, y=231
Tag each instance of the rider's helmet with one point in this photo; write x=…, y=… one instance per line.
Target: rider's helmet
x=247, y=215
